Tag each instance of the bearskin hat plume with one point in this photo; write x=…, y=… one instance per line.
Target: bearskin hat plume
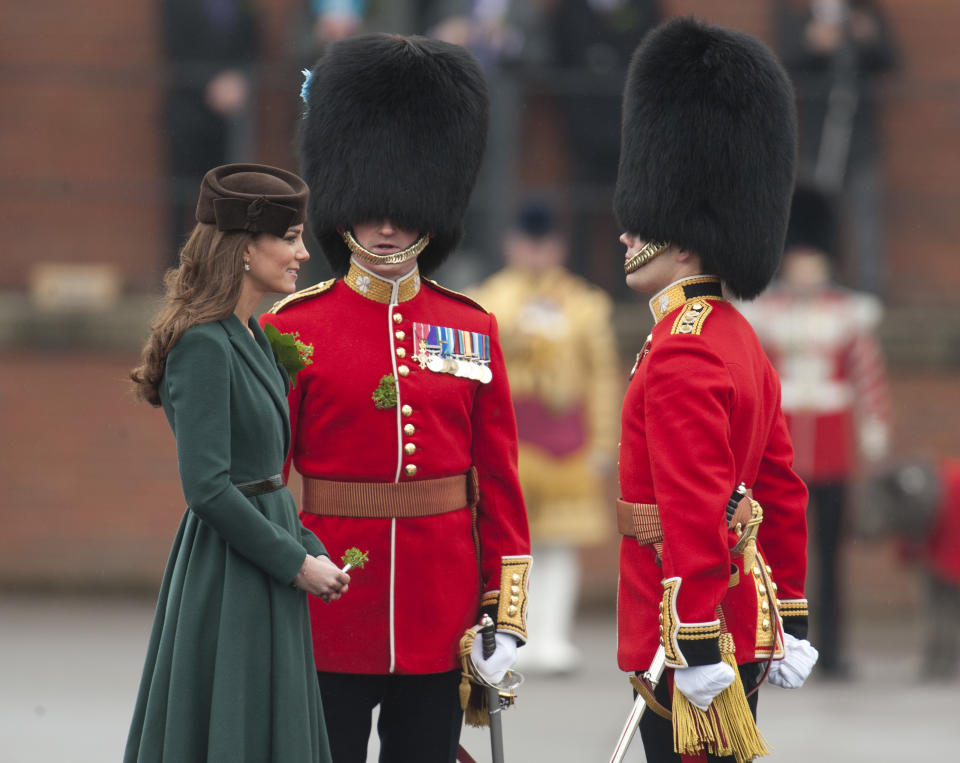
x=708, y=150
x=395, y=127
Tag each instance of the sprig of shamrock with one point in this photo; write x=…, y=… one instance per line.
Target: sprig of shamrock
x=291, y=354
x=354, y=557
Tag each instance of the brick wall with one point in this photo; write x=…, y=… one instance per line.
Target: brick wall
x=88, y=485
x=82, y=155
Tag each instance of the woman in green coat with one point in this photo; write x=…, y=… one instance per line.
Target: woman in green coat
x=229, y=671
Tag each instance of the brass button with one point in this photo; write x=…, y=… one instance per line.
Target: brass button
x=774, y=587
x=409, y=448
x=661, y=605
x=408, y=429
x=515, y=590
x=764, y=606
x=769, y=570
x=514, y=600
x=410, y=469
x=401, y=335
x=661, y=618
x=756, y=569
x=406, y=410
x=766, y=624
x=401, y=353
x=403, y=370
x=511, y=610
x=516, y=577
x=762, y=589
x=397, y=317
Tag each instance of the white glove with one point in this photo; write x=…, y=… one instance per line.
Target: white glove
x=493, y=670
x=799, y=657
x=701, y=683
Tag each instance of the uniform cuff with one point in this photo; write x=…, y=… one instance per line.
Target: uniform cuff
x=794, y=614
x=686, y=644
x=507, y=606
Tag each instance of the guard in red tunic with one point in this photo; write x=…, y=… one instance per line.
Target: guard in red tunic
x=822, y=340
x=403, y=426
x=712, y=562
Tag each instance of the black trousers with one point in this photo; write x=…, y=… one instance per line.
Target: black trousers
x=657, y=732
x=828, y=504
x=420, y=716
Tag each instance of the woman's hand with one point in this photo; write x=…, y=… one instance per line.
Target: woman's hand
x=321, y=577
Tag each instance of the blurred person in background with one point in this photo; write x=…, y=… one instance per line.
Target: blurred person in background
x=919, y=502
x=836, y=51
x=404, y=431
x=336, y=19
x=229, y=665
x=211, y=47
x=559, y=347
x=822, y=339
x=591, y=42
x=713, y=558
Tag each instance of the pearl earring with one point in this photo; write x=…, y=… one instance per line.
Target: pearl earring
x=246, y=266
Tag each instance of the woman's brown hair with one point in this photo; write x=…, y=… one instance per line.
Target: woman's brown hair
x=206, y=287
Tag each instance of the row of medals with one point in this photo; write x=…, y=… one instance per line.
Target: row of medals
x=463, y=367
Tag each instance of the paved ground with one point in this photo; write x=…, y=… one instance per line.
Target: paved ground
x=69, y=669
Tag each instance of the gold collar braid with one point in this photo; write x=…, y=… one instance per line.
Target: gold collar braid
x=365, y=255
x=647, y=252
x=383, y=290
x=683, y=291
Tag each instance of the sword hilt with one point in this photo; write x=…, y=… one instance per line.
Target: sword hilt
x=488, y=634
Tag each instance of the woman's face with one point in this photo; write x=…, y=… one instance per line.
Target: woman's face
x=383, y=237
x=275, y=261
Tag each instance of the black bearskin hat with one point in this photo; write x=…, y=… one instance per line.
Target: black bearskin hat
x=395, y=127
x=708, y=150
x=813, y=221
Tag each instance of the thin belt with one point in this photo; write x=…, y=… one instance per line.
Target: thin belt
x=383, y=500
x=258, y=487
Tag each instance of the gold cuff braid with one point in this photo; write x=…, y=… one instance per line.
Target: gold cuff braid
x=512, y=603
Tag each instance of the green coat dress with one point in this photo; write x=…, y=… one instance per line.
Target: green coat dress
x=229, y=674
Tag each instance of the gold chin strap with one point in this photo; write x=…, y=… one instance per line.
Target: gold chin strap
x=385, y=259
x=649, y=250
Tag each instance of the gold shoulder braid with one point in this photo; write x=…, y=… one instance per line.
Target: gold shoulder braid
x=690, y=321
x=310, y=291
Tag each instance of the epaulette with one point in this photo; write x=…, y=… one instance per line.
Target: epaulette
x=692, y=317
x=297, y=296
x=455, y=294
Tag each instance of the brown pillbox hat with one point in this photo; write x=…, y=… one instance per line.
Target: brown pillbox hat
x=256, y=198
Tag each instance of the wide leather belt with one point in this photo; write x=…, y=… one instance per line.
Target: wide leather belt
x=382, y=500
x=258, y=487
x=642, y=520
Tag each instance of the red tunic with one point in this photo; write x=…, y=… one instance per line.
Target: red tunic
x=701, y=415
x=832, y=373
x=407, y=609
x=943, y=551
